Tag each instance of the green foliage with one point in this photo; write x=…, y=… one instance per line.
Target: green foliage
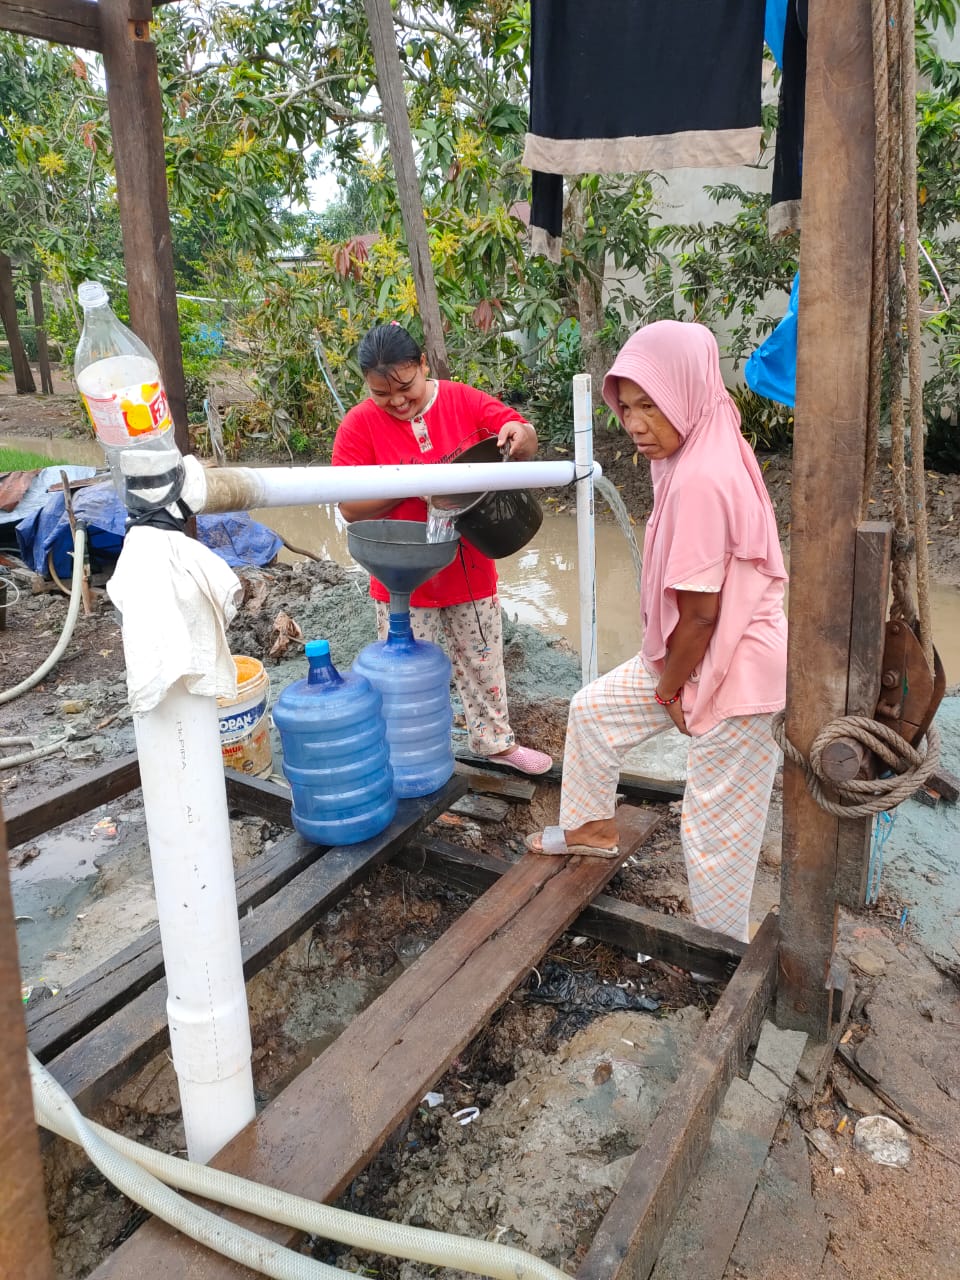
x=767, y=426
x=23, y=460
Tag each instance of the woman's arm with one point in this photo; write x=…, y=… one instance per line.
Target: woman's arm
x=687, y=645
x=367, y=509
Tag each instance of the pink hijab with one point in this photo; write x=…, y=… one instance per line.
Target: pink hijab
x=709, y=499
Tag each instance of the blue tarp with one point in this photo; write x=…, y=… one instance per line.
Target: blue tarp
x=235, y=537
x=772, y=369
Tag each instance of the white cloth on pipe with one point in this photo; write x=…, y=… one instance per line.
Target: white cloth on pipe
x=177, y=598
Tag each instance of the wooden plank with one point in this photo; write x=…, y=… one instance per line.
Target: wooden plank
x=484, y=808
x=635, y=1225
x=74, y=798
x=828, y=466
x=871, y=590
x=632, y=928
x=53, y=1025
x=98, y=1063
x=383, y=39
x=267, y=799
x=314, y=1137
x=70, y=22
x=24, y=1234
x=486, y=782
x=636, y=787
x=136, y=127
x=705, y=1230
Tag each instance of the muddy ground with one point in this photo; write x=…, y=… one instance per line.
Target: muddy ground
x=564, y=1094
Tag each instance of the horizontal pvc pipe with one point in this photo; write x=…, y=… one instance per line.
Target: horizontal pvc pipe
x=211, y=489
x=188, y=828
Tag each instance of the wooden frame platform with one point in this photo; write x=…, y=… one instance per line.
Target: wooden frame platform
x=112, y=1022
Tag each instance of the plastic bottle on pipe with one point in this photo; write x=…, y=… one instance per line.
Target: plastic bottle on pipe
x=119, y=380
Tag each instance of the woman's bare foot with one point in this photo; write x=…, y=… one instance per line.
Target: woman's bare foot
x=599, y=834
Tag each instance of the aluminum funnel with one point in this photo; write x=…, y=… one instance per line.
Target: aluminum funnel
x=397, y=552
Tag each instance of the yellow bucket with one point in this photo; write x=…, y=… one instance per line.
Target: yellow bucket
x=244, y=723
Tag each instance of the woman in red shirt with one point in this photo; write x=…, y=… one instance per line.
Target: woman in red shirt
x=412, y=418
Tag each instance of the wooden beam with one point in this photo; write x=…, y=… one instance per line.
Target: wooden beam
x=325, y=1126
x=70, y=22
x=871, y=590
x=53, y=1025
x=633, y=929
x=828, y=466
x=383, y=38
x=24, y=1234
x=118, y=778
x=73, y=798
x=634, y=1227
x=136, y=126
x=97, y=1064
x=40, y=332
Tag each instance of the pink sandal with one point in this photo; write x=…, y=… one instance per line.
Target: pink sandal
x=525, y=760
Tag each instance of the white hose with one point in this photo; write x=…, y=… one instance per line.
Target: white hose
x=56, y=1111
x=79, y=547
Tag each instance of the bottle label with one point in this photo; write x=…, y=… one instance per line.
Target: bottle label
x=131, y=413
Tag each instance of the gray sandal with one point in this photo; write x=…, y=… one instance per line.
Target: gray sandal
x=553, y=842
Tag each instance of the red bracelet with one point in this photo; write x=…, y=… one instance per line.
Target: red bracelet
x=668, y=702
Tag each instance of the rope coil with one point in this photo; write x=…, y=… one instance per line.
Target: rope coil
x=863, y=797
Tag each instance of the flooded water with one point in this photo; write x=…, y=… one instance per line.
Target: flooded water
x=537, y=586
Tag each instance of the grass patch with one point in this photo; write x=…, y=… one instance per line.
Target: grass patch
x=24, y=460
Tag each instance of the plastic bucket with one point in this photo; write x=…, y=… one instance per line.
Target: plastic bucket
x=244, y=723
x=498, y=523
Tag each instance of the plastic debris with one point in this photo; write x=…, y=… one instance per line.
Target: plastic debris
x=432, y=1099
x=882, y=1140
x=466, y=1115
x=106, y=827
x=579, y=997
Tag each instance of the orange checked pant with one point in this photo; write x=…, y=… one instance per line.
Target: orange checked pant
x=730, y=772
x=473, y=635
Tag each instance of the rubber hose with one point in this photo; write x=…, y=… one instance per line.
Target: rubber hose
x=79, y=547
x=437, y=1248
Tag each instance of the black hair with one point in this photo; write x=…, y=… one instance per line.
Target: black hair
x=386, y=346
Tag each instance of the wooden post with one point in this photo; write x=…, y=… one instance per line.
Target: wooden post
x=43, y=354
x=24, y=1236
x=390, y=84
x=828, y=464
x=136, y=125
x=22, y=373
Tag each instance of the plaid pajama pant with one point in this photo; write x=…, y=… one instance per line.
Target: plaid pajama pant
x=730, y=772
x=473, y=633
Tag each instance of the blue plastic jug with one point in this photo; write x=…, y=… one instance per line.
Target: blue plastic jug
x=335, y=753
x=413, y=677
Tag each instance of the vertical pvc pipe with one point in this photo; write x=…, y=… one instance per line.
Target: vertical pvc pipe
x=586, y=543
x=185, y=798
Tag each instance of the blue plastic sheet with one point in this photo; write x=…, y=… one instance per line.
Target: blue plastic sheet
x=45, y=532
x=772, y=369
x=774, y=26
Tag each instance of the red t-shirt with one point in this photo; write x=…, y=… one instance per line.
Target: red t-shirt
x=459, y=417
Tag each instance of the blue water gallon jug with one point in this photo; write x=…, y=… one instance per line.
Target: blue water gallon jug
x=335, y=753
x=413, y=677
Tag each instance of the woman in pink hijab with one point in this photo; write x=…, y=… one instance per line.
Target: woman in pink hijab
x=713, y=661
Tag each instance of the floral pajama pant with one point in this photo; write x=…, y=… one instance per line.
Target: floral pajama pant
x=473, y=635
x=730, y=773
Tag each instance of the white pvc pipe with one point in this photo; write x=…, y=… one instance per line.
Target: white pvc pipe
x=586, y=545
x=185, y=799
x=211, y=489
